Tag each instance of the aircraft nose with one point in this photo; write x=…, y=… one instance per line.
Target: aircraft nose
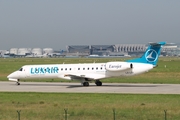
x=13, y=75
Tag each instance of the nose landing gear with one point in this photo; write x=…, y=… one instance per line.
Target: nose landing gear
x=17, y=83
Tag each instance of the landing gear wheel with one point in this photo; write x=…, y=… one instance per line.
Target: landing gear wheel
x=85, y=84
x=98, y=83
x=17, y=83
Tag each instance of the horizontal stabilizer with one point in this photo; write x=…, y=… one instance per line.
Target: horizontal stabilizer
x=157, y=44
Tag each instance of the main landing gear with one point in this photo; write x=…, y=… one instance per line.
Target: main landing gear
x=97, y=82
x=86, y=84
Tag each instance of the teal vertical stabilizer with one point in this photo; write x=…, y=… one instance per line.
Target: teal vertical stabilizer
x=151, y=55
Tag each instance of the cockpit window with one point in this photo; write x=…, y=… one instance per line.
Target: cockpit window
x=21, y=69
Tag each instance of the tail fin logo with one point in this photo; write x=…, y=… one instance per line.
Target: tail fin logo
x=151, y=55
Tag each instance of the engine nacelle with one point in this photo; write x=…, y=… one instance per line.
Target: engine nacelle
x=118, y=66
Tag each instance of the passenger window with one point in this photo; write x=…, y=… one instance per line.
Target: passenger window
x=88, y=68
x=97, y=68
x=61, y=69
x=78, y=68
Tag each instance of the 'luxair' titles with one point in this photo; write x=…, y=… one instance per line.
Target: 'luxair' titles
x=44, y=70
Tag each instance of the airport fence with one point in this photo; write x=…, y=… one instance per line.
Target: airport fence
x=116, y=115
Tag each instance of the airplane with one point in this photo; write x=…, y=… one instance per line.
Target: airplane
x=91, y=71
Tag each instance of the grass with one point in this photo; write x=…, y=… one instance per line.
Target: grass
x=50, y=106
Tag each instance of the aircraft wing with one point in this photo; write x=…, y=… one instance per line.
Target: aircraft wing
x=85, y=76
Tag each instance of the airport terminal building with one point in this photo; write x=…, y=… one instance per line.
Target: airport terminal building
x=117, y=50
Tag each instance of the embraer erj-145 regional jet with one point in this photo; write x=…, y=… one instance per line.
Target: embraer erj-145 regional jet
x=91, y=71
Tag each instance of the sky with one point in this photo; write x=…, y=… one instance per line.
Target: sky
x=58, y=23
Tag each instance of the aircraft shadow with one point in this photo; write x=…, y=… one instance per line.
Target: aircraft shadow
x=68, y=85
x=74, y=86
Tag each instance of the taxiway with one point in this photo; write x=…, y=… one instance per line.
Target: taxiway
x=77, y=88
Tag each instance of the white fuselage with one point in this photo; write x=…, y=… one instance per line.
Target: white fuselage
x=90, y=71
